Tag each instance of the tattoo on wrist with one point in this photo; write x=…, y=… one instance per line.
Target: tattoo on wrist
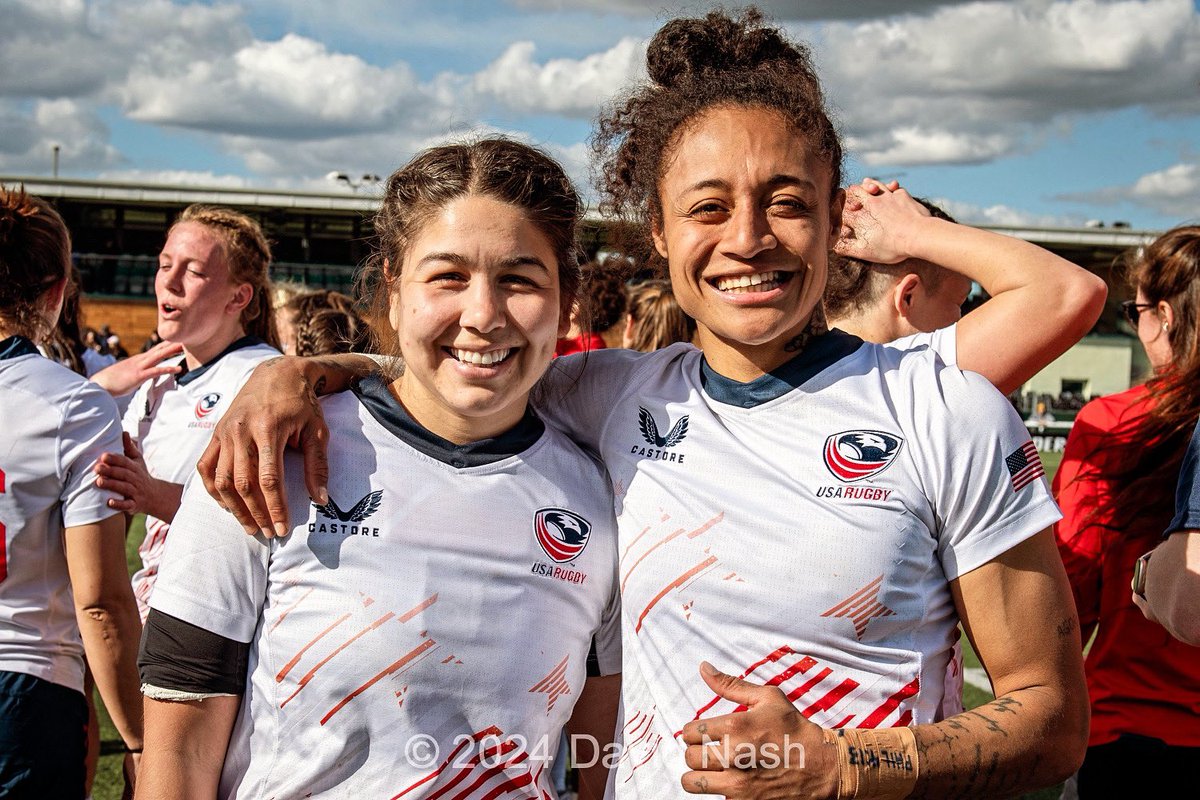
x=319, y=386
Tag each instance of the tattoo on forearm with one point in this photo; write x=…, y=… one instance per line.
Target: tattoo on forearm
x=1067, y=627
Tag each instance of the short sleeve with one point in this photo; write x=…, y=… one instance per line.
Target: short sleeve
x=579, y=392
x=605, y=655
x=943, y=342
x=135, y=409
x=90, y=429
x=1187, y=490
x=985, y=478
x=213, y=575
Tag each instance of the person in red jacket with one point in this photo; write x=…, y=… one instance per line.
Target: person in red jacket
x=1115, y=486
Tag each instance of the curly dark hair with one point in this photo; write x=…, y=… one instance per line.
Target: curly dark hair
x=694, y=65
x=602, y=294
x=500, y=168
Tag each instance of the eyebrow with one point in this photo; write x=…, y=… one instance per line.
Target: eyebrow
x=462, y=261
x=775, y=181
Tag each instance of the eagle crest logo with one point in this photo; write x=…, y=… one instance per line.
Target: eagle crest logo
x=649, y=429
x=562, y=533
x=855, y=455
x=359, y=512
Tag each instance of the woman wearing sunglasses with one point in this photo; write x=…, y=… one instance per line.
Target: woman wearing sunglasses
x=1115, y=487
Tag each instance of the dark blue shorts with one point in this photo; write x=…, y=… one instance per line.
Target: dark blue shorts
x=43, y=739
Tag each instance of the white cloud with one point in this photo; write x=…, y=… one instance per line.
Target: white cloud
x=778, y=9
x=1005, y=216
x=293, y=88
x=975, y=81
x=1173, y=192
x=28, y=135
x=572, y=87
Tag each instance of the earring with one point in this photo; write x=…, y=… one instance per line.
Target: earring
x=1166, y=327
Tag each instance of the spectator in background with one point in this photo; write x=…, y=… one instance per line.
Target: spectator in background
x=1040, y=416
x=114, y=347
x=282, y=291
x=601, y=304
x=1115, y=488
x=655, y=319
x=152, y=340
x=296, y=318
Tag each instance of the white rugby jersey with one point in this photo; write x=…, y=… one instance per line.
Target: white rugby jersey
x=427, y=633
x=55, y=426
x=799, y=530
x=171, y=418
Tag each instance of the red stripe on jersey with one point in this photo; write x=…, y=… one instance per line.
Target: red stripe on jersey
x=771, y=658
x=653, y=547
x=299, y=654
x=417, y=609
x=844, y=722
x=800, y=691
x=309, y=675
x=636, y=539
x=409, y=656
x=492, y=772
x=675, y=584
x=905, y=719
x=289, y=610
x=491, y=730
x=831, y=697
x=690, y=534
x=892, y=703
x=802, y=666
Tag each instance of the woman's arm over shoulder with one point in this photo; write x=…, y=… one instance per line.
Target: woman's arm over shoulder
x=277, y=407
x=578, y=392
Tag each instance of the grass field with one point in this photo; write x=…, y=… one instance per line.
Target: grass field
x=108, y=773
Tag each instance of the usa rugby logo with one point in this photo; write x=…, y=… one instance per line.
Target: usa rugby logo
x=562, y=534
x=207, y=404
x=854, y=455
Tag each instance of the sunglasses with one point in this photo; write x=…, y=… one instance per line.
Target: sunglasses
x=1133, y=310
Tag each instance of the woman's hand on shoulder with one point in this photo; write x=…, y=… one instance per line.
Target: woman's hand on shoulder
x=128, y=374
x=242, y=468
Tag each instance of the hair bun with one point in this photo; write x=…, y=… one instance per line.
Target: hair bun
x=686, y=49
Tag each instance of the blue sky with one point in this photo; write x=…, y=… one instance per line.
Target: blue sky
x=1033, y=112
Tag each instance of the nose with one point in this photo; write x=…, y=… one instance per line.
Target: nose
x=748, y=232
x=171, y=278
x=483, y=307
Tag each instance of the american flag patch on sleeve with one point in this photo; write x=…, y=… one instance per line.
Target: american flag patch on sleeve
x=1024, y=466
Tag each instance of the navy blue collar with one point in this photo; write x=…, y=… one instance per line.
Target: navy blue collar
x=820, y=353
x=373, y=393
x=188, y=375
x=17, y=346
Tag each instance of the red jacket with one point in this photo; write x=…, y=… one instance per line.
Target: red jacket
x=1140, y=679
x=579, y=344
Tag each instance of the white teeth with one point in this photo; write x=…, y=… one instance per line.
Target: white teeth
x=759, y=282
x=481, y=359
